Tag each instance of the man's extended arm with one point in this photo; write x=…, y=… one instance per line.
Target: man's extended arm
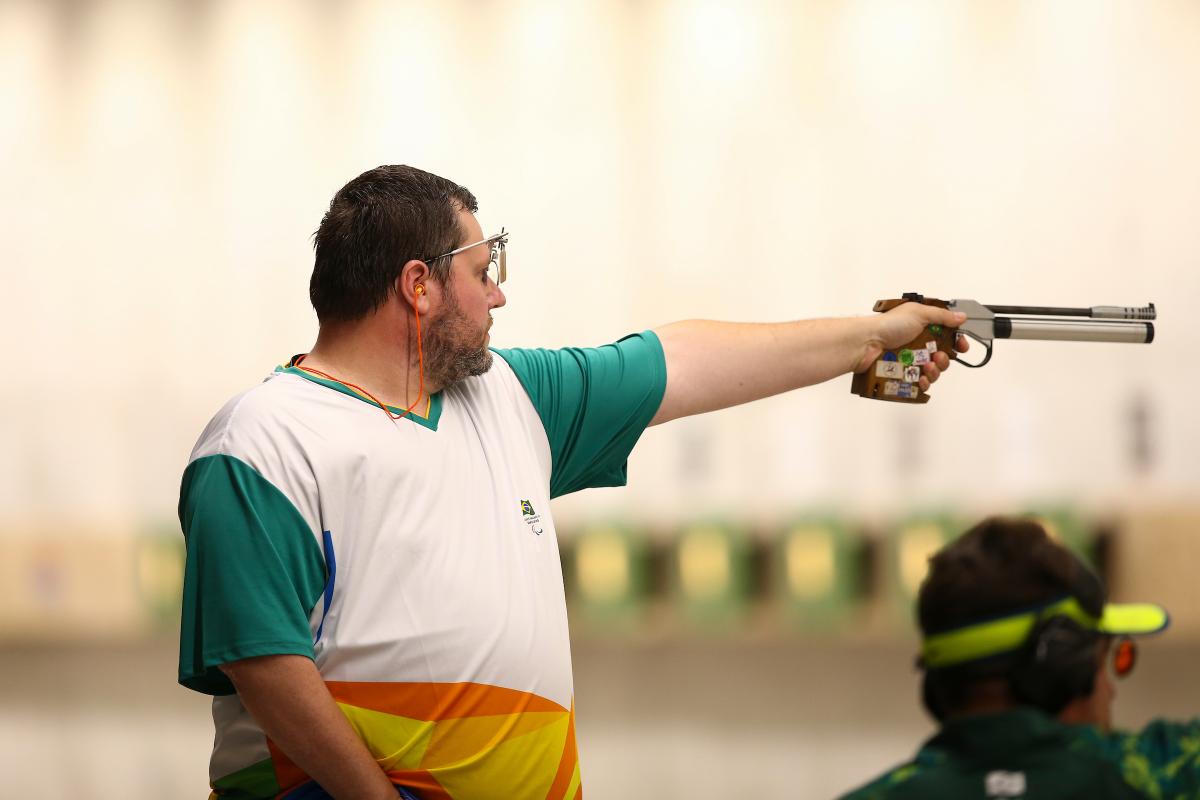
x=712, y=365
x=289, y=701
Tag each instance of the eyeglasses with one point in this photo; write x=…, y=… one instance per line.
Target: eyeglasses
x=1124, y=657
x=497, y=263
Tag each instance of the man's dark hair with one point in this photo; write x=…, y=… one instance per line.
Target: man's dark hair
x=375, y=224
x=999, y=567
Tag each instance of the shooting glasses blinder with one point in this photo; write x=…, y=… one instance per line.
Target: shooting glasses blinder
x=1124, y=656
x=497, y=263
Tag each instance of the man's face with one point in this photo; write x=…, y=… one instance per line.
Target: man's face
x=456, y=339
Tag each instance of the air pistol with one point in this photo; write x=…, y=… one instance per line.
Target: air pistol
x=896, y=374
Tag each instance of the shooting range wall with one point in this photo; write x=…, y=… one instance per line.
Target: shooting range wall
x=739, y=611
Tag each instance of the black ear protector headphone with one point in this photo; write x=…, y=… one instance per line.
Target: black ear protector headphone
x=1057, y=664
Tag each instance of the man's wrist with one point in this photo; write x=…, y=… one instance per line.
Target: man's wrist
x=868, y=341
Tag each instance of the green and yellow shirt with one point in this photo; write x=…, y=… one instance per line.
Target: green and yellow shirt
x=1024, y=754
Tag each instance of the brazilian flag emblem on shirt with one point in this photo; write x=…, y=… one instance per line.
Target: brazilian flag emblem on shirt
x=527, y=508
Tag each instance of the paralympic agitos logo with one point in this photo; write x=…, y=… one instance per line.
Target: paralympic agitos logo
x=532, y=519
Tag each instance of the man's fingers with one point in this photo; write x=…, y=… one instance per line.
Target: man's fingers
x=945, y=316
x=942, y=360
x=961, y=344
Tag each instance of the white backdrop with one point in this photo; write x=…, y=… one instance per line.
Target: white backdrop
x=165, y=163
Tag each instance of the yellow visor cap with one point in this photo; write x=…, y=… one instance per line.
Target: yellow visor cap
x=1133, y=619
x=1006, y=634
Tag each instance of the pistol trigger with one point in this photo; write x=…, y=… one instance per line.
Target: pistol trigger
x=987, y=346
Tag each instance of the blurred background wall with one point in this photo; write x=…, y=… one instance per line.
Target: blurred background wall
x=165, y=163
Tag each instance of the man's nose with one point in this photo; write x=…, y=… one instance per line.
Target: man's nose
x=498, y=298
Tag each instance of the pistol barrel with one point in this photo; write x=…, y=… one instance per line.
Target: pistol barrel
x=1094, y=312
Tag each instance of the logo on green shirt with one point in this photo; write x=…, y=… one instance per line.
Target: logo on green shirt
x=1004, y=784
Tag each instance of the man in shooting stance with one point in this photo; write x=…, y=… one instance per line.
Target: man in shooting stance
x=372, y=591
x=1020, y=649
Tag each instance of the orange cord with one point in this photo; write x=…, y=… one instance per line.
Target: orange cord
x=360, y=390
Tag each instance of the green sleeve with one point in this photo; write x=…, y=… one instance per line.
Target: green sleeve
x=594, y=404
x=253, y=573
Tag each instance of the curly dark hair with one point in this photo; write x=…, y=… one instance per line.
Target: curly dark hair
x=375, y=224
x=1001, y=566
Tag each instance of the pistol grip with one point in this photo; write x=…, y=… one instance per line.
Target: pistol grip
x=896, y=374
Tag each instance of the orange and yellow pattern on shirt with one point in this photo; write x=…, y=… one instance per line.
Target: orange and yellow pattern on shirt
x=458, y=740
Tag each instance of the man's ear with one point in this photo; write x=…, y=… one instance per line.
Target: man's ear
x=414, y=284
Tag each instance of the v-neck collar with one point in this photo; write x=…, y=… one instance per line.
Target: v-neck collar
x=435, y=400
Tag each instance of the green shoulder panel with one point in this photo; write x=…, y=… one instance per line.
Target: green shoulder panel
x=884, y=786
x=1162, y=760
x=253, y=573
x=594, y=404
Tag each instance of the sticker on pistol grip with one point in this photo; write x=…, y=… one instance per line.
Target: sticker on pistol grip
x=921, y=357
x=908, y=390
x=912, y=374
x=889, y=369
x=891, y=388
x=931, y=347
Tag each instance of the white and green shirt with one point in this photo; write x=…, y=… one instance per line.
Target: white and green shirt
x=414, y=560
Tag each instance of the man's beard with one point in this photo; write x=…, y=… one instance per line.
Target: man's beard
x=454, y=347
